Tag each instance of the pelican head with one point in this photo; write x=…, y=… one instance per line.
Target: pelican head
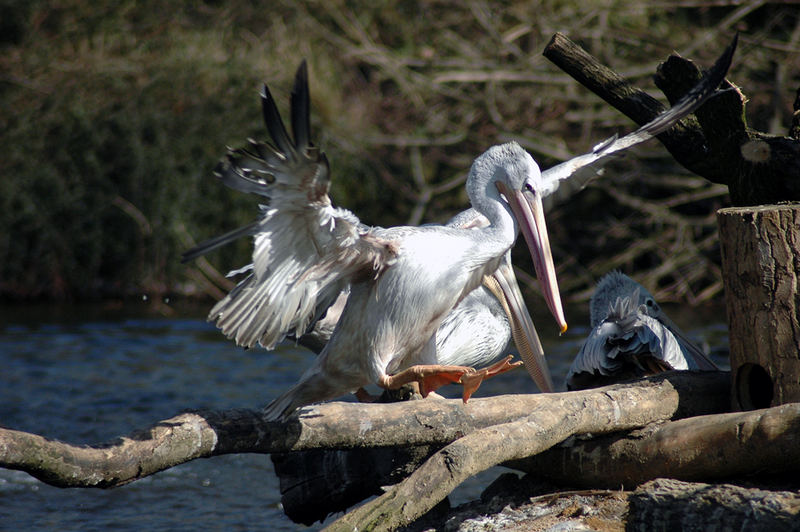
x=616, y=285
x=504, y=184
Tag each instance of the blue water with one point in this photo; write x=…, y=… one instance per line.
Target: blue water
x=90, y=374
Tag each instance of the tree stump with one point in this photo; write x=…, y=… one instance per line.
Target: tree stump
x=761, y=271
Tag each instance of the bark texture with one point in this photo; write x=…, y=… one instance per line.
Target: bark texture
x=761, y=272
x=666, y=504
x=603, y=410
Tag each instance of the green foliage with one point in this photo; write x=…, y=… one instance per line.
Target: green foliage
x=115, y=113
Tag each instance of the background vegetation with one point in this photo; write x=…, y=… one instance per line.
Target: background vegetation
x=115, y=112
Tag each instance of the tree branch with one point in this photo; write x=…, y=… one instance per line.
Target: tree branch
x=337, y=426
x=758, y=168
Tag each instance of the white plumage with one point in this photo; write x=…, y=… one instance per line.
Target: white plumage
x=402, y=281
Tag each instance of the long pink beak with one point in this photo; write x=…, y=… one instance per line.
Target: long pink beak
x=503, y=284
x=528, y=210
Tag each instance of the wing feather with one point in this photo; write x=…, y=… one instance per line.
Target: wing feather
x=305, y=250
x=626, y=343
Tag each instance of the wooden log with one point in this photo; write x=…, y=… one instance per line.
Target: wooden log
x=761, y=271
x=673, y=505
x=315, y=484
x=603, y=411
x=661, y=505
x=334, y=425
x=755, y=444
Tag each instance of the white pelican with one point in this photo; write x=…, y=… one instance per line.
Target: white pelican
x=631, y=337
x=402, y=281
x=479, y=330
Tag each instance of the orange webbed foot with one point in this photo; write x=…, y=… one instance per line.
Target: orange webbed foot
x=472, y=381
x=429, y=377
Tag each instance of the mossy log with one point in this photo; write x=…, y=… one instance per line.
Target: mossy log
x=667, y=504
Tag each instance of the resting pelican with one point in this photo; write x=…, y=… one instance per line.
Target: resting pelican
x=479, y=330
x=402, y=281
x=631, y=337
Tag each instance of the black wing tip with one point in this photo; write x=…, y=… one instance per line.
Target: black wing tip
x=301, y=76
x=723, y=63
x=301, y=108
x=274, y=122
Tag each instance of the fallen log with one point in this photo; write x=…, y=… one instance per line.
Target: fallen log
x=335, y=425
x=513, y=503
x=761, y=443
x=601, y=411
x=661, y=504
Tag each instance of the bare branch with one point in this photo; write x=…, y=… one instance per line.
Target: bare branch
x=333, y=425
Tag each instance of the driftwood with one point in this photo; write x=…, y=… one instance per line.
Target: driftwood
x=563, y=415
x=349, y=425
x=757, y=445
x=761, y=269
x=760, y=443
x=513, y=503
x=718, y=145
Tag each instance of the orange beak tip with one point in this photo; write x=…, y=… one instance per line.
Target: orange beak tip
x=563, y=329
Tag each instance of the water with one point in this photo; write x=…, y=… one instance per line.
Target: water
x=88, y=375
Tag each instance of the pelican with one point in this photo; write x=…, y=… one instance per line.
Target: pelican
x=478, y=331
x=402, y=281
x=631, y=337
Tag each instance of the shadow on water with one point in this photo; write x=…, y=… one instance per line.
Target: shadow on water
x=90, y=374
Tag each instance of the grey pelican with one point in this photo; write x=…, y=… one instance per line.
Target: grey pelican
x=631, y=337
x=402, y=281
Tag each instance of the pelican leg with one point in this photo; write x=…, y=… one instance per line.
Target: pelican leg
x=472, y=381
x=429, y=377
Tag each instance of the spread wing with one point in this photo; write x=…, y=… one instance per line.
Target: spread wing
x=305, y=250
x=563, y=180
